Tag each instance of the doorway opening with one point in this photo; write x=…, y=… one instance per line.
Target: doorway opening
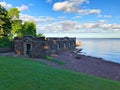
x=28, y=49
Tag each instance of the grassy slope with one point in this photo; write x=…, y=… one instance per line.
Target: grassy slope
x=20, y=74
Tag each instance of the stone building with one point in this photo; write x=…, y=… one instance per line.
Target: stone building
x=40, y=47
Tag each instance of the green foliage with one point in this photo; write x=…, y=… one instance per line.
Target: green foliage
x=13, y=13
x=23, y=74
x=29, y=29
x=5, y=42
x=47, y=57
x=19, y=29
x=5, y=25
x=11, y=25
x=54, y=60
x=16, y=24
x=58, y=61
x=40, y=35
x=16, y=28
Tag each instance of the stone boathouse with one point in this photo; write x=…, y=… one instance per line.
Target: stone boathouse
x=40, y=47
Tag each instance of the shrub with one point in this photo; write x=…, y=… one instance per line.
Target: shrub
x=5, y=42
x=54, y=60
x=47, y=57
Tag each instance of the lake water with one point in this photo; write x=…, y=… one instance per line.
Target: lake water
x=108, y=49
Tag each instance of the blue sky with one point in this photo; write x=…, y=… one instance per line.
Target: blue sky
x=72, y=18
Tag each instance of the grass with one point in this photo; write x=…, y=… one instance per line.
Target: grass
x=54, y=60
x=58, y=61
x=22, y=74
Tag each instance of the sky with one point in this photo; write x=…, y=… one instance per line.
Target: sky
x=71, y=18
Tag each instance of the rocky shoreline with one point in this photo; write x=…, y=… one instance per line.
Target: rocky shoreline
x=84, y=64
x=90, y=65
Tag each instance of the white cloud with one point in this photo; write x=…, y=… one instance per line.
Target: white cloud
x=30, y=4
x=102, y=21
x=76, y=17
x=25, y=17
x=99, y=15
x=40, y=19
x=72, y=6
x=89, y=11
x=23, y=8
x=6, y=5
x=64, y=6
x=43, y=23
x=100, y=26
x=68, y=26
x=61, y=17
x=57, y=25
x=49, y=1
x=105, y=16
x=68, y=6
x=76, y=27
x=54, y=27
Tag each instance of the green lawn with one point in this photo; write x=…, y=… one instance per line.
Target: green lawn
x=21, y=74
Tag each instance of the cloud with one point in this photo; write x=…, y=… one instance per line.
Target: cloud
x=89, y=11
x=68, y=6
x=54, y=27
x=46, y=24
x=76, y=17
x=61, y=17
x=105, y=16
x=48, y=1
x=25, y=17
x=6, y=5
x=40, y=19
x=100, y=26
x=30, y=4
x=23, y=8
x=72, y=6
x=68, y=25
x=57, y=25
x=64, y=6
x=102, y=21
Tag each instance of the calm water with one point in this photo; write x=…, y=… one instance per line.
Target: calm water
x=108, y=49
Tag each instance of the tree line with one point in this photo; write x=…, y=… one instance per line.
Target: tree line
x=12, y=26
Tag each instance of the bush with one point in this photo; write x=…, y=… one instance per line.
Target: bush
x=5, y=42
x=54, y=60
x=47, y=57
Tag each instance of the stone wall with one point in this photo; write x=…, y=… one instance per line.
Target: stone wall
x=43, y=46
x=6, y=49
x=38, y=50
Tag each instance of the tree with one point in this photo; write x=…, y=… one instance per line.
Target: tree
x=16, y=28
x=11, y=25
x=29, y=28
x=5, y=24
x=13, y=13
x=40, y=35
